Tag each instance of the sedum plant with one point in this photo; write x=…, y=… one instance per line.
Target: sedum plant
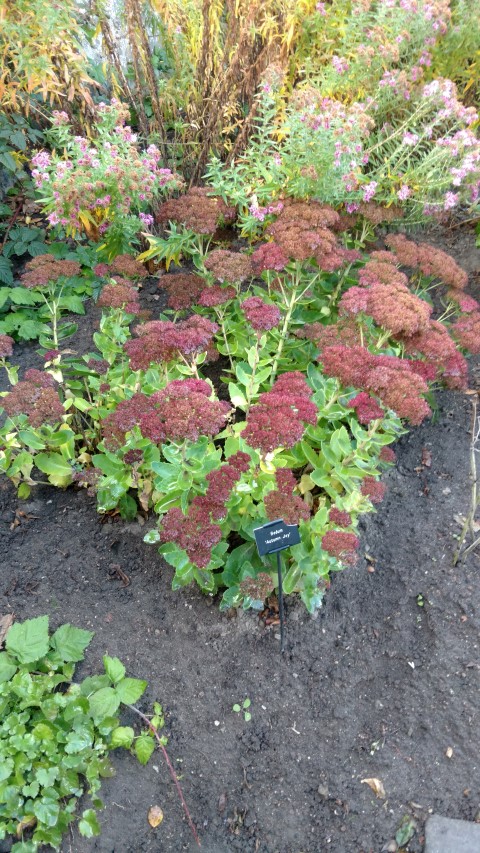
x=324, y=354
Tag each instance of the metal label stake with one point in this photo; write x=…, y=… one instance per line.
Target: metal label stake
x=273, y=538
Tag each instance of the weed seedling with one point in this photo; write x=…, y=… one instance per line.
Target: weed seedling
x=243, y=707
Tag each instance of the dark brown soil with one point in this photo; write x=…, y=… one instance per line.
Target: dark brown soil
x=380, y=685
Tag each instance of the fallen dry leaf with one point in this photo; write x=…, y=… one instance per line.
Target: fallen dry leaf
x=377, y=787
x=5, y=623
x=426, y=458
x=155, y=816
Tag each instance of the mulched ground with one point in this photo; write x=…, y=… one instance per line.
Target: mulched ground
x=380, y=685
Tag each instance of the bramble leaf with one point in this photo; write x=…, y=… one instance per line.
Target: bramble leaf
x=28, y=640
x=70, y=642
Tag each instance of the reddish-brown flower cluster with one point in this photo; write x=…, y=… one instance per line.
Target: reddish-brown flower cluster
x=376, y=213
x=197, y=210
x=268, y=257
x=345, y=331
x=467, y=304
x=387, y=454
x=87, y=479
x=303, y=231
x=436, y=345
x=124, y=265
x=162, y=341
x=431, y=261
x=366, y=408
x=35, y=397
x=195, y=532
x=339, y=517
x=279, y=417
x=181, y=410
x=183, y=289
x=373, y=489
x=261, y=315
x=45, y=268
x=98, y=365
x=229, y=266
x=257, y=588
x=391, y=305
x=390, y=378
x=376, y=271
x=467, y=332
x=120, y=294
x=341, y=545
x=6, y=346
x=216, y=295
x=282, y=503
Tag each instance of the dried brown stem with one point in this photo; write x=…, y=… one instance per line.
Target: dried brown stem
x=171, y=770
x=475, y=500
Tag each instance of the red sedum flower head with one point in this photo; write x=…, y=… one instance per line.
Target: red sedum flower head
x=261, y=315
x=229, y=266
x=339, y=517
x=6, y=346
x=270, y=256
x=341, y=545
x=279, y=417
x=36, y=397
x=183, y=289
x=282, y=503
x=120, y=294
x=215, y=295
x=467, y=332
x=366, y=408
x=373, y=489
x=163, y=341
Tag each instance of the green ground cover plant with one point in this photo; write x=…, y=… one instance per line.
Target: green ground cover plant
x=56, y=735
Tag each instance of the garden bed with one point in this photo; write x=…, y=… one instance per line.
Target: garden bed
x=382, y=684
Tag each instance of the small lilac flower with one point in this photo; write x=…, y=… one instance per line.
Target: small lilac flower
x=369, y=190
x=404, y=192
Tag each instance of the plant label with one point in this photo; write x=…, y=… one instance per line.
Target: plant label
x=275, y=536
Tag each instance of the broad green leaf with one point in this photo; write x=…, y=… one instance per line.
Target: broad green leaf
x=122, y=736
x=7, y=667
x=70, y=642
x=144, y=746
x=28, y=640
x=88, y=825
x=114, y=668
x=103, y=703
x=59, y=471
x=46, y=811
x=129, y=690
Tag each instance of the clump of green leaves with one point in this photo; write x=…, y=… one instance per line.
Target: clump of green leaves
x=55, y=736
x=243, y=707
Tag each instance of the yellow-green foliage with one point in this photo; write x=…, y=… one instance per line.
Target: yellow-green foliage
x=40, y=58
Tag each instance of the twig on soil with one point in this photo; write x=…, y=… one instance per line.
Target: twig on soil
x=475, y=498
x=170, y=768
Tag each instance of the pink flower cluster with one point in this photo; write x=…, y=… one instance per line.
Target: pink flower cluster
x=366, y=408
x=268, y=257
x=432, y=262
x=182, y=410
x=105, y=177
x=120, y=293
x=215, y=295
x=184, y=289
x=390, y=378
x=162, y=341
x=196, y=533
x=282, y=503
x=6, y=346
x=36, y=397
x=341, y=545
x=124, y=265
x=229, y=266
x=261, y=315
x=43, y=269
x=279, y=417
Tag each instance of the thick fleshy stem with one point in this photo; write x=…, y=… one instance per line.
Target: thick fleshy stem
x=170, y=768
x=290, y=305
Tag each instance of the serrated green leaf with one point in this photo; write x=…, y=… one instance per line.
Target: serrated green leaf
x=122, y=736
x=114, y=668
x=70, y=643
x=23, y=296
x=129, y=690
x=28, y=641
x=6, y=272
x=144, y=746
x=7, y=667
x=88, y=825
x=103, y=703
x=46, y=811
